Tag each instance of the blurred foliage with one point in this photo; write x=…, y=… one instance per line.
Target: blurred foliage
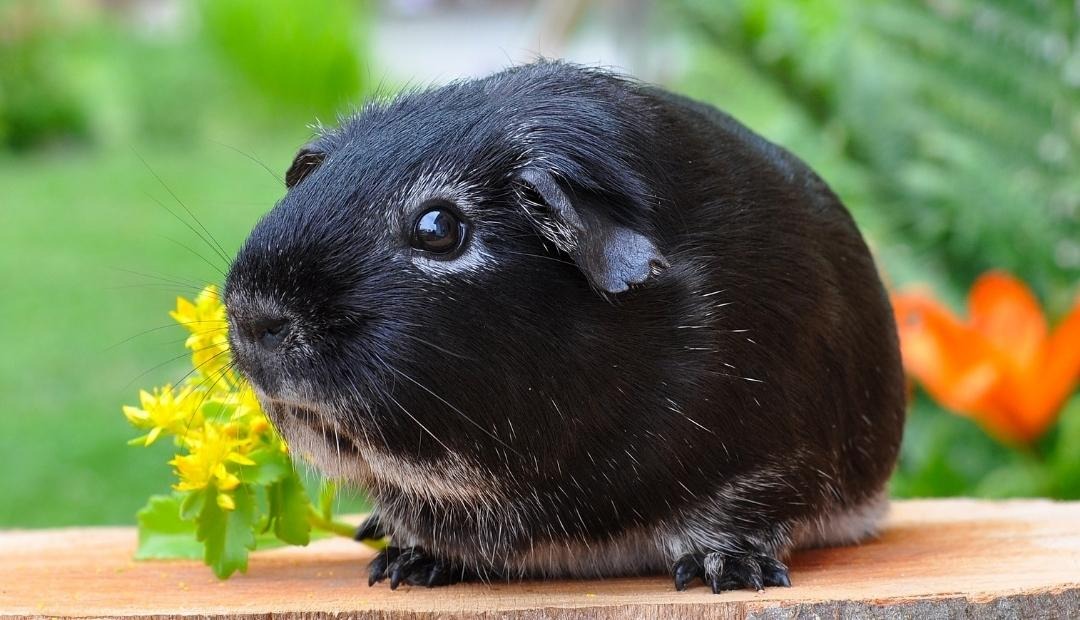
x=950, y=126
x=299, y=54
x=83, y=72
x=161, y=86
x=945, y=455
x=36, y=104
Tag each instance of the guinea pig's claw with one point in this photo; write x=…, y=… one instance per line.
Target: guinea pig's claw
x=688, y=568
x=414, y=566
x=721, y=571
x=377, y=568
x=775, y=573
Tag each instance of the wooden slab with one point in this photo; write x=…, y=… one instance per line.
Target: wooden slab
x=936, y=559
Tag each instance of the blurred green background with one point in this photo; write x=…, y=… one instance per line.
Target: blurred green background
x=949, y=127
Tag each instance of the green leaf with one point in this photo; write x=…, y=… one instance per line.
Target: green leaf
x=164, y=533
x=271, y=465
x=291, y=503
x=228, y=534
x=192, y=505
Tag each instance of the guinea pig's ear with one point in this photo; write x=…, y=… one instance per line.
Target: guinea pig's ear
x=307, y=160
x=613, y=257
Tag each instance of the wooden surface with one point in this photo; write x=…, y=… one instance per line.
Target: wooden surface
x=955, y=558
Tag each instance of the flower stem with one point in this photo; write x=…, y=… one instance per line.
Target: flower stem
x=329, y=525
x=341, y=529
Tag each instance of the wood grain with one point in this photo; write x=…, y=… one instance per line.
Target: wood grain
x=935, y=559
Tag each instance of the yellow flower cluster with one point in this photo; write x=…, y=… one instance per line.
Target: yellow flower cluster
x=213, y=415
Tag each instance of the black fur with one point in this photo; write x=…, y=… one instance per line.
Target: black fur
x=747, y=382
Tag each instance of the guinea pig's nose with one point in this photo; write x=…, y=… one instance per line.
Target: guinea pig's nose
x=269, y=333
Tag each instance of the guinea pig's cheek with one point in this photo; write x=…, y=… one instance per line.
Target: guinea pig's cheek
x=474, y=258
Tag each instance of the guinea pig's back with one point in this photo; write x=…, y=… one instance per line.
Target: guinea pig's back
x=810, y=316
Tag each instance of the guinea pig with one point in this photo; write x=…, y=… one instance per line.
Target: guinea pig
x=560, y=323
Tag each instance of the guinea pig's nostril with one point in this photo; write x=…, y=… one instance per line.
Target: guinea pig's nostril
x=270, y=332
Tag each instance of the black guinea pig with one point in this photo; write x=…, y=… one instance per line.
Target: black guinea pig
x=561, y=323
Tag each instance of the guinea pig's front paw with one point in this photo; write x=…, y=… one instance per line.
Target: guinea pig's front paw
x=414, y=566
x=725, y=571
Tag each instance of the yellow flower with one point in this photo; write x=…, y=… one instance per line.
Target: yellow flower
x=206, y=313
x=208, y=340
x=247, y=405
x=164, y=410
x=212, y=449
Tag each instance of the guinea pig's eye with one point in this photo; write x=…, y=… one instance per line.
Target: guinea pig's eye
x=438, y=230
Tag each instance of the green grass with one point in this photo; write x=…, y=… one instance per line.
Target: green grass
x=69, y=222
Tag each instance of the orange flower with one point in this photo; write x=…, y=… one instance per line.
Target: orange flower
x=1002, y=366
